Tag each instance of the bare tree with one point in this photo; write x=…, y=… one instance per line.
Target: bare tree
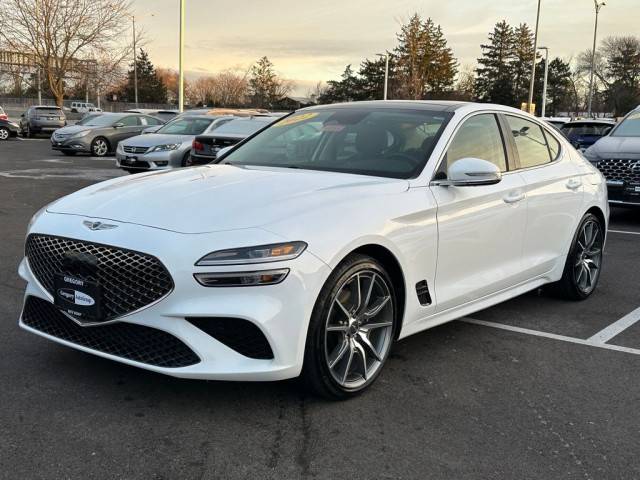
x=317, y=91
x=59, y=33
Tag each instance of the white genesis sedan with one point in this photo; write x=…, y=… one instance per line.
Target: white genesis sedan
x=309, y=248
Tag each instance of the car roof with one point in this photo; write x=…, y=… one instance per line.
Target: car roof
x=431, y=105
x=590, y=121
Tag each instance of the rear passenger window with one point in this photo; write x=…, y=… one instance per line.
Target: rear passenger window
x=531, y=142
x=478, y=137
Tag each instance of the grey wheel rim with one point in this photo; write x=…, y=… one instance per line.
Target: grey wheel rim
x=4, y=133
x=100, y=148
x=358, y=329
x=588, y=260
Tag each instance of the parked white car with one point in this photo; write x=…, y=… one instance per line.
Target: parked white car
x=309, y=254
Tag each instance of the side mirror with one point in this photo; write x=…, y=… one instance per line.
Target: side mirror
x=606, y=131
x=118, y=125
x=152, y=129
x=471, y=172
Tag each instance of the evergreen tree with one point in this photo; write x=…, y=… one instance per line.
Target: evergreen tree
x=371, y=78
x=347, y=89
x=150, y=87
x=558, y=87
x=426, y=66
x=263, y=83
x=521, y=62
x=494, y=80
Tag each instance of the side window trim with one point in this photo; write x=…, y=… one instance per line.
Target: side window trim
x=496, y=114
x=513, y=158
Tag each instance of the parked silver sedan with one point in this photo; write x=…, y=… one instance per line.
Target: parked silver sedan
x=167, y=147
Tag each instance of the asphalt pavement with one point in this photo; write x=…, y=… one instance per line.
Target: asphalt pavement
x=535, y=388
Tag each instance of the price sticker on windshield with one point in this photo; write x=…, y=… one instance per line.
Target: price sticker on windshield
x=295, y=119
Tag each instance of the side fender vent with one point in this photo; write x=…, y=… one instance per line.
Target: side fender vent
x=422, y=289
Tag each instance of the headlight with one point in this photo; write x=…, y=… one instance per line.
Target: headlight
x=276, y=252
x=164, y=148
x=36, y=216
x=83, y=133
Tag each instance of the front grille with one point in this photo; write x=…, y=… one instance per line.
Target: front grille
x=130, y=149
x=240, y=335
x=134, y=164
x=620, y=169
x=134, y=342
x=129, y=280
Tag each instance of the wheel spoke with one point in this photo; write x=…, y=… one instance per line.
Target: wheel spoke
x=363, y=357
x=369, y=290
x=337, y=328
x=367, y=327
x=364, y=340
x=378, y=306
x=344, y=310
x=339, y=354
x=359, y=304
x=348, y=367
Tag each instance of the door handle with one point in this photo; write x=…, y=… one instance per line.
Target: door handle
x=574, y=184
x=513, y=197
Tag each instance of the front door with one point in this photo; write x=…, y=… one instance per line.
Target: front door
x=480, y=228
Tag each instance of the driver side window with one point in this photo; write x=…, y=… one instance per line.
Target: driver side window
x=479, y=137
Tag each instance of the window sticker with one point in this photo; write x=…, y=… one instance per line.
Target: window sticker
x=295, y=119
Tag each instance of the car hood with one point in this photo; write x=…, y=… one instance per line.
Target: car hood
x=71, y=129
x=153, y=139
x=221, y=197
x=609, y=146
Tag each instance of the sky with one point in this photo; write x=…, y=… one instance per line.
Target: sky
x=314, y=41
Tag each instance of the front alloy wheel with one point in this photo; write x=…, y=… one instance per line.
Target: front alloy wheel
x=4, y=133
x=351, y=330
x=99, y=147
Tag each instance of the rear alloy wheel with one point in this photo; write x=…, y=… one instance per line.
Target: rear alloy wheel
x=186, y=159
x=4, y=133
x=584, y=262
x=99, y=147
x=351, y=330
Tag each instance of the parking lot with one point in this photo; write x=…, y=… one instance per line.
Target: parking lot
x=533, y=388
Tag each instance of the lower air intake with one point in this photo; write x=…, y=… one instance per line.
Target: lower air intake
x=133, y=342
x=240, y=335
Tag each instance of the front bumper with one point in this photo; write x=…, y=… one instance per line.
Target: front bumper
x=149, y=161
x=281, y=311
x=81, y=144
x=43, y=126
x=622, y=194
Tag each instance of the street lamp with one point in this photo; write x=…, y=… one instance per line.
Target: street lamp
x=533, y=67
x=180, y=59
x=135, y=62
x=543, y=109
x=598, y=6
x=386, y=72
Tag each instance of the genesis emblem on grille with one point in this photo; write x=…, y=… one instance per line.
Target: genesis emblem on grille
x=635, y=168
x=98, y=225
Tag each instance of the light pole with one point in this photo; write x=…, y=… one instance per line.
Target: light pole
x=535, y=51
x=180, y=60
x=386, y=72
x=598, y=6
x=135, y=63
x=543, y=109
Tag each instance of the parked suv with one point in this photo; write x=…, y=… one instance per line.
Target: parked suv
x=84, y=107
x=41, y=119
x=617, y=155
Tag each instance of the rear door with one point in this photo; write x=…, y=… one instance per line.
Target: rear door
x=480, y=228
x=554, y=193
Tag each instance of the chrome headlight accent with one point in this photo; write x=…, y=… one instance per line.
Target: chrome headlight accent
x=275, y=252
x=241, y=279
x=165, y=147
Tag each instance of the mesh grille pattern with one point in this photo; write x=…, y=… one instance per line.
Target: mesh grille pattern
x=129, y=280
x=620, y=169
x=134, y=342
x=240, y=335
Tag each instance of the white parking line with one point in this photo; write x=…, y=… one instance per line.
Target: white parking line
x=553, y=336
x=616, y=328
x=624, y=231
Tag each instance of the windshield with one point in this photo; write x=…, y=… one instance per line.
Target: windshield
x=242, y=126
x=186, y=126
x=385, y=142
x=630, y=126
x=102, y=121
x=575, y=129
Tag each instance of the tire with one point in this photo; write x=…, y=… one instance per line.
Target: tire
x=131, y=171
x=99, y=147
x=336, y=343
x=186, y=159
x=584, y=261
x=27, y=133
x=69, y=153
x=4, y=134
